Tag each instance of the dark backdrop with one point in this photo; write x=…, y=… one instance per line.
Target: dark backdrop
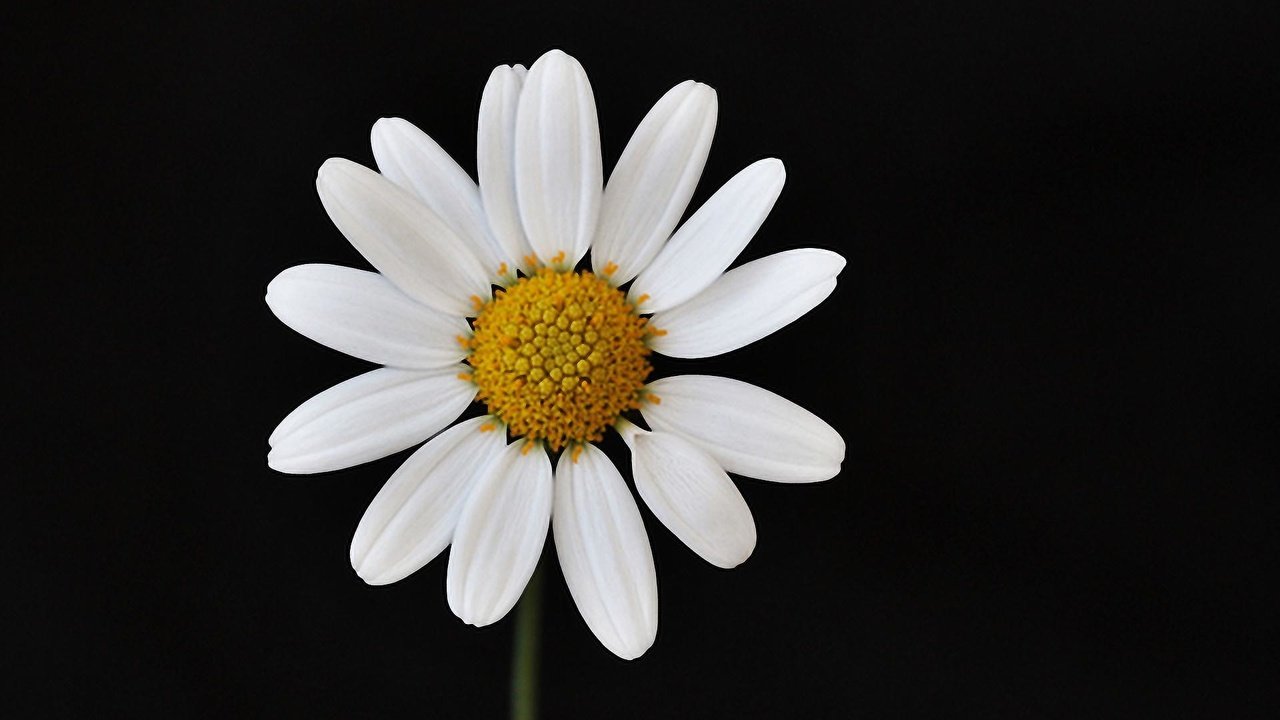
x=1047, y=355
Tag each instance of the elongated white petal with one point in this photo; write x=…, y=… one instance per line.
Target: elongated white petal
x=747, y=303
x=500, y=536
x=413, y=517
x=367, y=417
x=650, y=186
x=409, y=158
x=604, y=553
x=558, y=173
x=363, y=315
x=709, y=241
x=401, y=237
x=688, y=491
x=747, y=429
x=496, y=161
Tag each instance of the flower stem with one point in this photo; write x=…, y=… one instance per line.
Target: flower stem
x=524, y=657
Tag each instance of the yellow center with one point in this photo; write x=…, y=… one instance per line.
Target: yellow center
x=559, y=356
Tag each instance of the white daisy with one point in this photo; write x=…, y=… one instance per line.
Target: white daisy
x=557, y=355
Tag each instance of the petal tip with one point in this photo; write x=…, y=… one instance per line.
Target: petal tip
x=372, y=579
x=691, y=86
x=632, y=652
x=392, y=124
x=557, y=60
x=380, y=129
x=733, y=560
x=332, y=164
x=775, y=166
x=503, y=71
x=336, y=168
x=280, y=464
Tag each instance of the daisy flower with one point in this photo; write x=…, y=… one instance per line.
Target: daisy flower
x=478, y=296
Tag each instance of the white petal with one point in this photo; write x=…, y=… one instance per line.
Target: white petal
x=409, y=158
x=367, y=417
x=650, y=186
x=363, y=315
x=500, y=536
x=688, y=491
x=401, y=237
x=604, y=553
x=412, y=518
x=558, y=172
x=709, y=241
x=748, y=430
x=747, y=303
x=496, y=161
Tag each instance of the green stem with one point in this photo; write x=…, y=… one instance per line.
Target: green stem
x=524, y=658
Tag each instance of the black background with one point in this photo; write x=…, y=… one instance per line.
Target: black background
x=1047, y=355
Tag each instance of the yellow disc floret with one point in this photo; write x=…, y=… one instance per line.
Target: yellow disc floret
x=558, y=356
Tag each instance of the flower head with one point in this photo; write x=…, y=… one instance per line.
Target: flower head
x=480, y=295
